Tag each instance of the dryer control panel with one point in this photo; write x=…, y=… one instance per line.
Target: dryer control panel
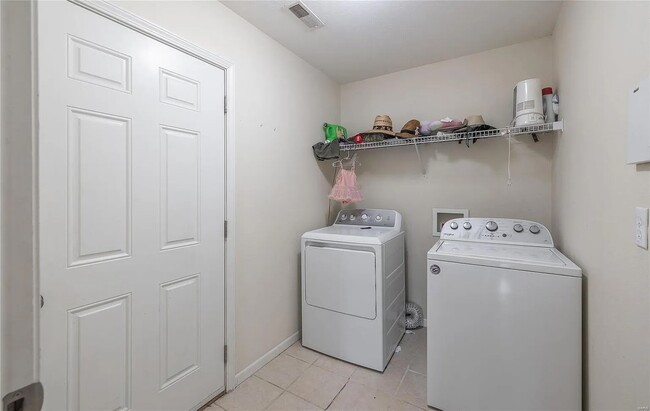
x=497, y=230
x=370, y=217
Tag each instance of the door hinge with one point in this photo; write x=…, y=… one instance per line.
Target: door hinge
x=225, y=228
x=225, y=353
x=225, y=104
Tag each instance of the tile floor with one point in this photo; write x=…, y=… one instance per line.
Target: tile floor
x=302, y=379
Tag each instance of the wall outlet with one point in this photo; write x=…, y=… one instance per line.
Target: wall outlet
x=641, y=227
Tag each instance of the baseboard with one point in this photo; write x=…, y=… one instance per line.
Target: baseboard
x=266, y=358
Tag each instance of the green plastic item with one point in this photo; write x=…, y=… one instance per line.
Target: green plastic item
x=334, y=131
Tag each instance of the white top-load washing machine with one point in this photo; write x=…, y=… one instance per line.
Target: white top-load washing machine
x=504, y=319
x=353, y=287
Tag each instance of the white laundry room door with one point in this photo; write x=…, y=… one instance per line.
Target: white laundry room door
x=131, y=214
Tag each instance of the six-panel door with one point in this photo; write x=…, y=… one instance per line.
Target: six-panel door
x=131, y=211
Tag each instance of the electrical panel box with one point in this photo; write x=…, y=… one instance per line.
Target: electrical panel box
x=638, y=129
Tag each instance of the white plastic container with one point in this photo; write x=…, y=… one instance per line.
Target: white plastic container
x=528, y=102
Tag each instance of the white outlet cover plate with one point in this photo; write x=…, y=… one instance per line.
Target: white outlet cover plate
x=641, y=227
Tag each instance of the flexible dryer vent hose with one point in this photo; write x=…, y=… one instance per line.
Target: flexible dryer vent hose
x=414, y=316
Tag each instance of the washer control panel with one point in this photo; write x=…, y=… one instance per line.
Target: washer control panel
x=370, y=217
x=496, y=230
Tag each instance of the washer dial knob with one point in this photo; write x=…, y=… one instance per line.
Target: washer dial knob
x=353, y=217
x=378, y=218
x=518, y=228
x=534, y=229
x=453, y=225
x=491, y=226
x=344, y=217
x=364, y=217
x=467, y=225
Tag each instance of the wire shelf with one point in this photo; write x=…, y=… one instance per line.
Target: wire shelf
x=474, y=135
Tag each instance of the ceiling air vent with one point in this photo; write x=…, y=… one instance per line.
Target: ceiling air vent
x=305, y=15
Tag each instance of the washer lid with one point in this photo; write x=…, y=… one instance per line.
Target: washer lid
x=531, y=258
x=352, y=234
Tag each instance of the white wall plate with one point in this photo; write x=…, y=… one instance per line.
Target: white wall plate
x=442, y=215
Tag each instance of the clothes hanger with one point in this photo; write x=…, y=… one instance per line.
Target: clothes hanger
x=339, y=162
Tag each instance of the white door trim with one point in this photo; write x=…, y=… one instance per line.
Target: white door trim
x=132, y=21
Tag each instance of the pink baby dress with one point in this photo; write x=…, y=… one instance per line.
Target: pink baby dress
x=345, y=189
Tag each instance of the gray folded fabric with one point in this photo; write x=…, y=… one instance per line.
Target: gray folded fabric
x=326, y=150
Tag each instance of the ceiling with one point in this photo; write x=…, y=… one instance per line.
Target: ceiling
x=363, y=39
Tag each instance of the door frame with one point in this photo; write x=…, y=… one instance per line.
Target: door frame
x=29, y=155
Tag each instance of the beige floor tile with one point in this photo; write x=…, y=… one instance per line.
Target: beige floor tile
x=413, y=389
x=318, y=386
x=302, y=353
x=214, y=407
x=251, y=395
x=386, y=382
x=401, y=359
x=289, y=402
x=338, y=367
x=418, y=362
x=415, y=341
x=359, y=397
x=282, y=370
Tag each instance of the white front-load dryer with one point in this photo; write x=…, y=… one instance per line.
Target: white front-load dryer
x=504, y=319
x=353, y=287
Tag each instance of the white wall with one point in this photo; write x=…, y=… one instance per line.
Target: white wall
x=281, y=190
x=457, y=176
x=19, y=332
x=601, y=50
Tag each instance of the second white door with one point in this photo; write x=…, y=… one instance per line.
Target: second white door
x=131, y=214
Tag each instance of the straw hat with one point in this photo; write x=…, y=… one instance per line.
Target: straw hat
x=383, y=124
x=409, y=130
x=476, y=123
x=476, y=120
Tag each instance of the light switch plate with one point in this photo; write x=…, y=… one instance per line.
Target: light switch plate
x=641, y=227
x=638, y=129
